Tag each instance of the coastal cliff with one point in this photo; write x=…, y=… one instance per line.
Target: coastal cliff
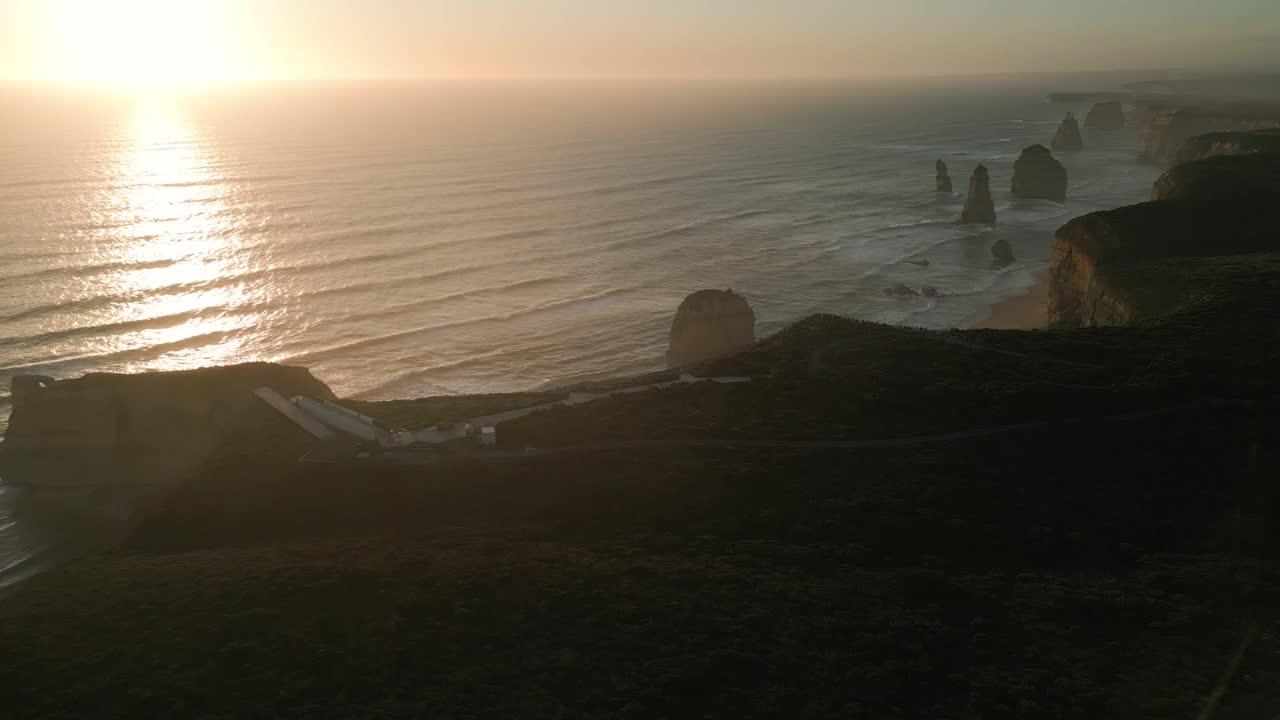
x=709, y=324
x=1169, y=131
x=175, y=419
x=1228, y=143
x=1116, y=267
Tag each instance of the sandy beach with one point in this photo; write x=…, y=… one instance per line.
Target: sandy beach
x=1025, y=310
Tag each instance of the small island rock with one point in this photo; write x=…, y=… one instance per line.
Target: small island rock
x=1002, y=251
x=708, y=324
x=900, y=290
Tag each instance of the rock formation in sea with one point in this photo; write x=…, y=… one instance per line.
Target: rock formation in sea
x=709, y=324
x=901, y=290
x=1228, y=143
x=1002, y=251
x=165, y=423
x=978, y=206
x=1068, y=135
x=1105, y=116
x=1169, y=131
x=1121, y=266
x=1037, y=174
x=944, y=180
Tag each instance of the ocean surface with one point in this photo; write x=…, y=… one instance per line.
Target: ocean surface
x=414, y=240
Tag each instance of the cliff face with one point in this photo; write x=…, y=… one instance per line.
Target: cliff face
x=1105, y=116
x=1169, y=131
x=978, y=207
x=943, y=179
x=1249, y=180
x=1068, y=135
x=708, y=324
x=1228, y=143
x=1037, y=174
x=183, y=417
x=1146, y=110
x=1100, y=263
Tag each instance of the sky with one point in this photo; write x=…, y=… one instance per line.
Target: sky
x=198, y=41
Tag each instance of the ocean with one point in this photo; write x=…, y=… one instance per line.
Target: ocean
x=410, y=240
x=407, y=241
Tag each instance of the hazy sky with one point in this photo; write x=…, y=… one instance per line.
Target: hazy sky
x=175, y=40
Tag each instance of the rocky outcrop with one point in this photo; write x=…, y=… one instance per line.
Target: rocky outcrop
x=1210, y=145
x=1002, y=251
x=944, y=180
x=978, y=206
x=1068, y=135
x=1037, y=174
x=164, y=423
x=709, y=324
x=1101, y=263
x=1105, y=116
x=1169, y=131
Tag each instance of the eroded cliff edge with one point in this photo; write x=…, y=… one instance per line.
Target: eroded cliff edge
x=1168, y=131
x=1211, y=219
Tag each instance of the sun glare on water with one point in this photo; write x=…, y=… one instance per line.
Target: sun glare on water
x=138, y=43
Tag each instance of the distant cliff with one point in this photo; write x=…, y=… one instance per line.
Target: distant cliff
x=170, y=419
x=1228, y=143
x=1101, y=268
x=1226, y=181
x=1169, y=131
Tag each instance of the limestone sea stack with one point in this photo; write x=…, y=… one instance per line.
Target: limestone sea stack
x=944, y=180
x=978, y=207
x=1037, y=174
x=1105, y=116
x=1068, y=135
x=709, y=324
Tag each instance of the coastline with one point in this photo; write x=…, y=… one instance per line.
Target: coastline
x=1027, y=309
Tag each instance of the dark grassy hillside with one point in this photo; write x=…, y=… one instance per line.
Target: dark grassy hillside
x=1012, y=576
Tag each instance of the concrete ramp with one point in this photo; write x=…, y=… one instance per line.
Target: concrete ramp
x=314, y=427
